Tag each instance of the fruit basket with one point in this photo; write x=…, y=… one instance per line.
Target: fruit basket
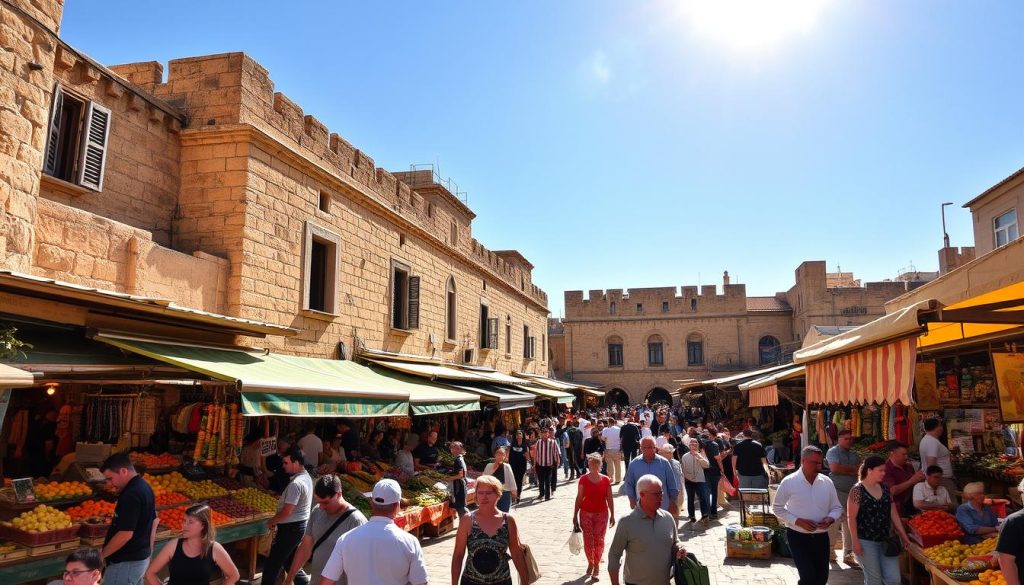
x=930, y=540
x=94, y=527
x=38, y=538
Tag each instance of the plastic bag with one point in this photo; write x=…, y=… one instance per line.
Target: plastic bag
x=725, y=486
x=575, y=542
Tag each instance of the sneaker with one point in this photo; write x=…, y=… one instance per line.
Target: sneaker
x=851, y=560
x=691, y=519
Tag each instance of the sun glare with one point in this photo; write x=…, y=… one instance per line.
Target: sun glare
x=751, y=24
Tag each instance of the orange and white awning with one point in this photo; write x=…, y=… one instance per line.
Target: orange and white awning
x=883, y=374
x=764, y=391
x=764, y=396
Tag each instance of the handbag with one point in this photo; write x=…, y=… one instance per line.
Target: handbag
x=689, y=570
x=532, y=570
x=893, y=545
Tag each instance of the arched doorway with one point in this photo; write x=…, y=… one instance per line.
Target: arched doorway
x=657, y=395
x=617, y=397
x=769, y=350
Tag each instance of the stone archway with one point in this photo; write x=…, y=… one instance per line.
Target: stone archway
x=658, y=394
x=616, y=397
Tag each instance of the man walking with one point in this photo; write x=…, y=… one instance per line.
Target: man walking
x=648, y=536
x=844, y=465
x=330, y=518
x=629, y=440
x=807, y=504
x=547, y=463
x=713, y=450
x=575, y=449
x=378, y=552
x=650, y=463
x=750, y=462
x=129, y=541
x=292, y=514
x=612, y=450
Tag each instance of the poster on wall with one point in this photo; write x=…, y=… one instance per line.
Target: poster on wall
x=1009, y=369
x=924, y=386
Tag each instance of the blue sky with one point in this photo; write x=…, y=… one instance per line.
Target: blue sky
x=631, y=144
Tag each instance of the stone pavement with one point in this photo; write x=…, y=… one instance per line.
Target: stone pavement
x=546, y=526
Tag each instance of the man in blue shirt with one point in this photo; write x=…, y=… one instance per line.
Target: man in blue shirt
x=978, y=520
x=649, y=462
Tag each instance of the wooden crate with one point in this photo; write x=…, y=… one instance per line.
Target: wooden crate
x=748, y=550
x=445, y=526
x=49, y=549
x=12, y=555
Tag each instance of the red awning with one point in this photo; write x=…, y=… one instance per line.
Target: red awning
x=870, y=376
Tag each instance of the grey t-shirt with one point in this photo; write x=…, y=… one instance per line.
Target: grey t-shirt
x=843, y=483
x=300, y=493
x=319, y=523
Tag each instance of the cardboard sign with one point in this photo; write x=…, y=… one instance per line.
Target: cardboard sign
x=23, y=490
x=268, y=446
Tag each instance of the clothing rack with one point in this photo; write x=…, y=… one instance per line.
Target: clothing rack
x=109, y=417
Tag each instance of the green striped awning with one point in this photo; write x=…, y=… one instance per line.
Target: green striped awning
x=281, y=385
x=557, y=395
x=429, y=398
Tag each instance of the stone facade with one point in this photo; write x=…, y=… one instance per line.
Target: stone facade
x=703, y=334
x=220, y=194
x=1002, y=201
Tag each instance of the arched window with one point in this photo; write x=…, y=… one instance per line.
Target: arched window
x=451, y=320
x=614, y=352
x=617, y=397
x=655, y=352
x=770, y=350
x=658, y=396
x=694, y=350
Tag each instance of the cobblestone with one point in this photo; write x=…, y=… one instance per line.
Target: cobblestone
x=545, y=526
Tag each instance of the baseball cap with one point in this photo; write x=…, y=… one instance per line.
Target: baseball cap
x=386, y=492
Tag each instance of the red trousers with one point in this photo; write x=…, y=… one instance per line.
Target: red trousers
x=594, y=526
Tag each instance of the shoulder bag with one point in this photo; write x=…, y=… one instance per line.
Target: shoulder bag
x=532, y=568
x=331, y=530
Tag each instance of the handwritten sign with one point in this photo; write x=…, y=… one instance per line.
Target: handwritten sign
x=268, y=446
x=23, y=490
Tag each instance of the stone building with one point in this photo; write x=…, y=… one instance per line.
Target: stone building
x=205, y=188
x=638, y=343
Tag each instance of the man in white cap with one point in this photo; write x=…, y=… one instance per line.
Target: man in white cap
x=378, y=552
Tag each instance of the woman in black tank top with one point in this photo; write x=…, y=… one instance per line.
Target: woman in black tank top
x=191, y=558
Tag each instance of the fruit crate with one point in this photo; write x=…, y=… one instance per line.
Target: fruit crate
x=926, y=541
x=754, y=503
x=52, y=548
x=90, y=530
x=748, y=550
x=18, y=552
x=34, y=539
x=445, y=526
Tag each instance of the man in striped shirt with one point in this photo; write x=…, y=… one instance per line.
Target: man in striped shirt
x=547, y=463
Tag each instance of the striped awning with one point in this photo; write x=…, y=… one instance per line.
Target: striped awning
x=882, y=374
x=764, y=396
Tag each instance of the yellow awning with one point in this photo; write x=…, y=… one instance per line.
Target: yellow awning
x=1009, y=299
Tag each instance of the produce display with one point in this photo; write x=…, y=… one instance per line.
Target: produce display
x=151, y=461
x=936, y=523
x=90, y=509
x=955, y=555
x=61, y=490
x=1002, y=467
x=220, y=435
x=170, y=482
x=201, y=490
x=170, y=499
x=41, y=519
x=231, y=507
x=990, y=577
x=261, y=501
x=173, y=518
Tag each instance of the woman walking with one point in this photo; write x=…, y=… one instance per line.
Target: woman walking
x=873, y=516
x=594, y=512
x=518, y=455
x=191, y=557
x=694, y=463
x=503, y=473
x=490, y=537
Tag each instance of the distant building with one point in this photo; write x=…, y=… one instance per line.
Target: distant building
x=637, y=343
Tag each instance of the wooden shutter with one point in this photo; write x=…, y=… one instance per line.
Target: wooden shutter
x=53, y=137
x=414, y=302
x=533, y=347
x=492, y=333
x=93, y=157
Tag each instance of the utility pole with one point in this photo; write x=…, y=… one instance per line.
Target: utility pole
x=945, y=236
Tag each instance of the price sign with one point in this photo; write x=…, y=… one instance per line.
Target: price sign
x=23, y=490
x=268, y=446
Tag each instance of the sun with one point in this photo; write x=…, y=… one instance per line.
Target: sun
x=750, y=24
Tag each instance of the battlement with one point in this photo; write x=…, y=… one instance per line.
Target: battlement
x=231, y=89
x=655, y=301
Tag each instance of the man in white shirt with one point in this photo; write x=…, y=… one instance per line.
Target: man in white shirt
x=378, y=552
x=612, y=450
x=930, y=494
x=933, y=452
x=312, y=446
x=806, y=502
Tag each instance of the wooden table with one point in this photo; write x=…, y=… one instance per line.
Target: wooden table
x=51, y=567
x=937, y=576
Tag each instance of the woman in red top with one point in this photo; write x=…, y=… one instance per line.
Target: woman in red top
x=594, y=512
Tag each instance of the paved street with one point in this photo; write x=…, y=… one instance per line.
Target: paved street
x=546, y=527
